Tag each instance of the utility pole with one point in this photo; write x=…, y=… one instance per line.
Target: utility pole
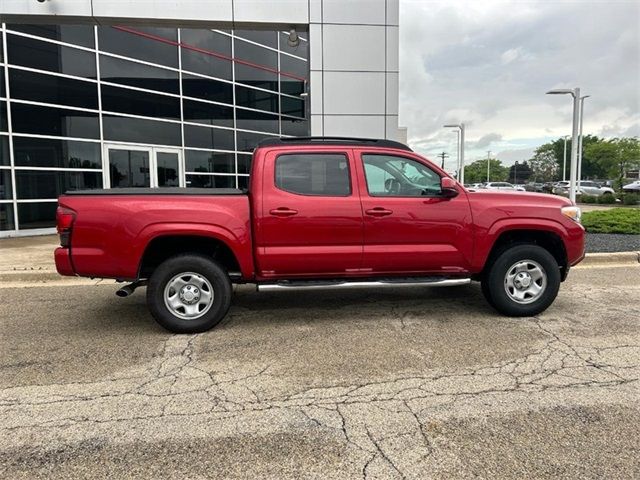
x=488, y=163
x=443, y=155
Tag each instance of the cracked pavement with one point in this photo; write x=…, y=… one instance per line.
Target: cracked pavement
x=402, y=383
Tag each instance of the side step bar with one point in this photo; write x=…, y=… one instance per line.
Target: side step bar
x=347, y=284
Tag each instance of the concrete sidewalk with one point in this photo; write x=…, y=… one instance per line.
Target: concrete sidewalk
x=26, y=259
x=28, y=253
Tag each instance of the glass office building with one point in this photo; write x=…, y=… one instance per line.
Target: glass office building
x=86, y=106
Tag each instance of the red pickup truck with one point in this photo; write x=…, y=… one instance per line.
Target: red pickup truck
x=320, y=213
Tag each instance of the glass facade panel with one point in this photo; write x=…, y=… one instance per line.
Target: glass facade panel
x=244, y=163
x=262, y=122
x=54, y=121
x=207, y=89
x=211, y=181
x=256, y=66
x=6, y=190
x=209, y=162
x=206, y=52
x=144, y=104
x=209, y=138
x=168, y=169
x=247, y=141
x=125, y=72
x=139, y=130
x=6, y=216
x=42, y=55
x=154, y=45
x=49, y=152
x=150, y=80
x=32, y=184
x=129, y=168
x=243, y=182
x=200, y=112
x=4, y=125
x=263, y=37
x=75, y=34
x=4, y=151
x=44, y=88
x=258, y=99
x=37, y=215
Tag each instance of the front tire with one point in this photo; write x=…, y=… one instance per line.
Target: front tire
x=189, y=293
x=522, y=281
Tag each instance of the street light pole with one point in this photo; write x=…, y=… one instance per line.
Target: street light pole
x=488, y=163
x=580, y=139
x=564, y=161
x=575, y=93
x=460, y=127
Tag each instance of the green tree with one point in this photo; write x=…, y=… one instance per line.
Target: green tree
x=519, y=172
x=476, y=172
x=615, y=157
x=544, y=163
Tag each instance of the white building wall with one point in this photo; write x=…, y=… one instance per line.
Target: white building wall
x=353, y=46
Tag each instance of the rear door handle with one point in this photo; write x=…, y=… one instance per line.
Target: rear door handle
x=378, y=212
x=283, y=212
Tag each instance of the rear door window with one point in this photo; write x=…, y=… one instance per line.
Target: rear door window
x=318, y=174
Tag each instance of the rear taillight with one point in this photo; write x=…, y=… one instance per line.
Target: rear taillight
x=64, y=223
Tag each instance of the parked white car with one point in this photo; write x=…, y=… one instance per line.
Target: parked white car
x=503, y=186
x=632, y=187
x=585, y=187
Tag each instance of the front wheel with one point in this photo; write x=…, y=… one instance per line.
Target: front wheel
x=523, y=281
x=189, y=293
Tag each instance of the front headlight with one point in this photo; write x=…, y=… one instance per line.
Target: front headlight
x=573, y=212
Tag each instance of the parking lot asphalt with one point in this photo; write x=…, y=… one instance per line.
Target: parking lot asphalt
x=400, y=383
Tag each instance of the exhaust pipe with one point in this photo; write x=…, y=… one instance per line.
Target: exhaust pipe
x=129, y=289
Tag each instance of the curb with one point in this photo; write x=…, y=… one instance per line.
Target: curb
x=618, y=258
x=47, y=275
x=31, y=276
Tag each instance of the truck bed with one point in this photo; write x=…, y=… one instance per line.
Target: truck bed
x=113, y=227
x=158, y=191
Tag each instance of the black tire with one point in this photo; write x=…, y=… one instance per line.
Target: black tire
x=493, y=283
x=204, y=267
x=484, y=286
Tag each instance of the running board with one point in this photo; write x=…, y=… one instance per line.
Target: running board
x=347, y=284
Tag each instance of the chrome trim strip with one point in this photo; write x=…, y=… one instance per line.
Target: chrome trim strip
x=273, y=287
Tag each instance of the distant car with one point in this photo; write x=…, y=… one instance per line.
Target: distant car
x=503, y=186
x=632, y=187
x=533, y=187
x=473, y=186
x=585, y=187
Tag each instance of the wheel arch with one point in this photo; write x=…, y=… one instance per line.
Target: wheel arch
x=548, y=239
x=162, y=247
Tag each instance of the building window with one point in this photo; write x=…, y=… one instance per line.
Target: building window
x=210, y=96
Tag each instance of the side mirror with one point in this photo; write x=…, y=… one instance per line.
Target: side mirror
x=448, y=187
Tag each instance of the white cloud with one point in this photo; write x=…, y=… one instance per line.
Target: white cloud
x=488, y=64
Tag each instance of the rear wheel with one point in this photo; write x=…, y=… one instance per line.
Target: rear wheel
x=522, y=281
x=189, y=293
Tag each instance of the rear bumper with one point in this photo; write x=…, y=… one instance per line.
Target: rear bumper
x=63, y=261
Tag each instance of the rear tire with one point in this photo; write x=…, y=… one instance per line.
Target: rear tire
x=189, y=293
x=522, y=281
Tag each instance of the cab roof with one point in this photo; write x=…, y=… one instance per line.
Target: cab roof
x=352, y=141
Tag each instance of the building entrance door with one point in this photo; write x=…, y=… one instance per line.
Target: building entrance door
x=139, y=167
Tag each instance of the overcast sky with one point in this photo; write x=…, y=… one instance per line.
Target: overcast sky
x=489, y=63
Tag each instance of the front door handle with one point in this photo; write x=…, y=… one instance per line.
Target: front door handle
x=378, y=212
x=283, y=212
